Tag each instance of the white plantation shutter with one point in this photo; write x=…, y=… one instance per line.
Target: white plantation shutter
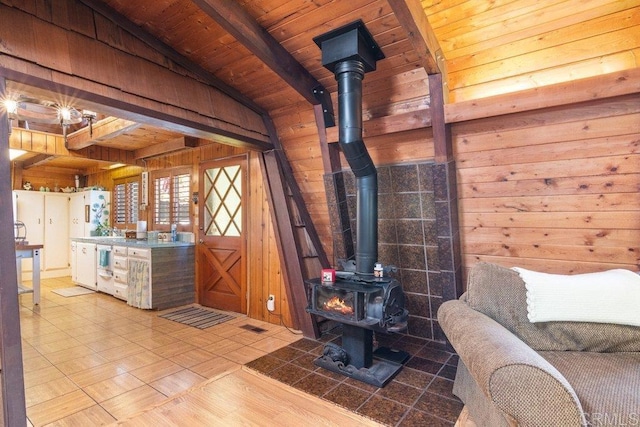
x=125, y=202
x=181, y=193
x=133, y=197
x=162, y=200
x=119, y=204
x=171, y=198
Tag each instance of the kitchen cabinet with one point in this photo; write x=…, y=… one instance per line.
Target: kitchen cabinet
x=120, y=282
x=73, y=262
x=139, y=278
x=171, y=271
x=148, y=275
x=46, y=218
x=86, y=265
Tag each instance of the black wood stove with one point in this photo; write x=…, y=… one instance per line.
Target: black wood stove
x=358, y=299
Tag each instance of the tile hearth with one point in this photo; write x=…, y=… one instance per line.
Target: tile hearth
x=420, y=395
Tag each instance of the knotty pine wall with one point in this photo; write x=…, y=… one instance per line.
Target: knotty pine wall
x=264, y=272
x=493, y=48
x=555, y=190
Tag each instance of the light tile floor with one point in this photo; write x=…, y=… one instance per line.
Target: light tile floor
x=92, y=360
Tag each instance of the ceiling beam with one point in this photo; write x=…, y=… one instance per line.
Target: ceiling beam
x=37, y=160
x=101, y=131
x=236, y=21
x=166, y=147
x=169, y=52
x=414, y=20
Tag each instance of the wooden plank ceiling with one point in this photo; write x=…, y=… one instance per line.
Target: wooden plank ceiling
x=262, y=51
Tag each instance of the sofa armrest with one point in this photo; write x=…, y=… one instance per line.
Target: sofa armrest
x=519, y=381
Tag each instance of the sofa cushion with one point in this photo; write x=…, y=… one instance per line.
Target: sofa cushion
x=500, y=293
x=606, y=384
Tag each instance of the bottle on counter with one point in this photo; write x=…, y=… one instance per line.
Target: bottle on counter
x=174, y=233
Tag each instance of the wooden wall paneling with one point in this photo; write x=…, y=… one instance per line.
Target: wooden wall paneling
x=256, y=247
x=562, y=31
x=547, y=265
x=528, y=63
x=563, y=191
x=287, y=245
x=551, y=125
x=265, y=276
x=74, y=16
x=566, y=41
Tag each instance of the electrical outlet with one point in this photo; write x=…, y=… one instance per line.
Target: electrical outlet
x=271, y=303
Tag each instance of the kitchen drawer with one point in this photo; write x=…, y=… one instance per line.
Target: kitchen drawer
x=140, y=253
x=119, y=263
x=105, y=283
x=120, y=291
x=120, y=276
x=120, y=250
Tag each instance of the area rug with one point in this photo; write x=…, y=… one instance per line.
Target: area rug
x=197, y=317
x=72, y=292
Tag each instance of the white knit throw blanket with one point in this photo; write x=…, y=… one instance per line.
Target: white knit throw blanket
x=611, y=296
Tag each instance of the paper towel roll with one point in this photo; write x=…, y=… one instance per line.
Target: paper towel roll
x=141, y=230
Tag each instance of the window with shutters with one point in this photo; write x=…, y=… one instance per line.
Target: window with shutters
x=171, y=199
x=125, y=202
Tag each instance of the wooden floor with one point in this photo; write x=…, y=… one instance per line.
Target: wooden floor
x=92, y=360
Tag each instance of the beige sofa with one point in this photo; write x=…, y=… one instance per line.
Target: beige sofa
x=514, y=372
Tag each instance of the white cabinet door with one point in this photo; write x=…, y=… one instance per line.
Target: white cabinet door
x=46, y=218
x=30, y=210
x=76, y=215
x=86, y=265
x=74, y=262
x=56, y=232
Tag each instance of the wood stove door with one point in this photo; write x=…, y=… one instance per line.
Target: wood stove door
x=221, y=248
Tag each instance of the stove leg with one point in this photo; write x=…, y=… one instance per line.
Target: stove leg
x=358, y=343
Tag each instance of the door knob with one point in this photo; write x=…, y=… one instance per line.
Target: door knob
x=201, y=241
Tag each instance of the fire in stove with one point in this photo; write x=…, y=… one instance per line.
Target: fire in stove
x=367, y=302
x=338, y=305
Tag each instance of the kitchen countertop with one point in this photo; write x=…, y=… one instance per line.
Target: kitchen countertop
x=121, y=241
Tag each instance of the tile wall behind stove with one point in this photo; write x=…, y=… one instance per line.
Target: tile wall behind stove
x=417, y=232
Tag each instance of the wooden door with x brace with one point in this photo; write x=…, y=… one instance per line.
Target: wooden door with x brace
x=222, y=248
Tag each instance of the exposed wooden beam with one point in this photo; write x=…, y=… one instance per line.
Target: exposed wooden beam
x=414, y=20
x=619, y=83
x=37, y=160
x=442, y=141
x=12, y=378
x=106, y=154
x=101, y=131
x=140, y=113
x=166, y=147
x=170, y=53
x=236, y=21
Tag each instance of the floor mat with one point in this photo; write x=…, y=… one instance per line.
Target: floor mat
x=72, y=292
x=197, y=317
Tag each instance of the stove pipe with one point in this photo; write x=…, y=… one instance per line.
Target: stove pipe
x=350, y=52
